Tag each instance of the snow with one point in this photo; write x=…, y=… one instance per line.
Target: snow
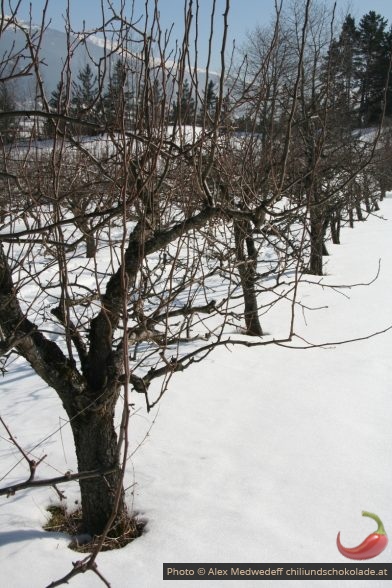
x=254, y=455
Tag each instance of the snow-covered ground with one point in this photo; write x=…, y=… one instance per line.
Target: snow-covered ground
x=254, y=455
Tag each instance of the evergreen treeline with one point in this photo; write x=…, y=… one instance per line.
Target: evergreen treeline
x=354, y=74
x=359, y=64
x=125, y=102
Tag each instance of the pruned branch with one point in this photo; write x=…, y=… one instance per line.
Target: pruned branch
x=68, y=477
x=32, y=463
x=80, y=567
x=187, y=310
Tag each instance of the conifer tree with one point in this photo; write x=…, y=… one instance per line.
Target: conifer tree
x=84, y=99
x=58, y=103
x=85, y=89
x=147, y=105
x=7, y=124
x=118, y=99
x=183, y=111
x=156, y=103
x=58, y=97
x=209, y=104
x=348, y=48
x=373, y=48
x=341, y=72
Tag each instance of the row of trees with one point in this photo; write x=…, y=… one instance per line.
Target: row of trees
x=147, y=250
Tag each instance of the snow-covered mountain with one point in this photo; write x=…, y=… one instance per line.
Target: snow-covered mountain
x=52, y=56
x=52, y=59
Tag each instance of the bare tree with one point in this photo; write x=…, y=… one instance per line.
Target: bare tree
x=125, y=224
x=118, y=242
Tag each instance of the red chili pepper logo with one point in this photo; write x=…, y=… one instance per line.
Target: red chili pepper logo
x=372, y=546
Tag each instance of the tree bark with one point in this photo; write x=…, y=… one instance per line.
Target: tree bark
x=383, y=188
x=351, y=217
x=335, y=228
x=96, y=448
x=316, y=241
x=247, y=268
x=359, y=212
x=91, y=245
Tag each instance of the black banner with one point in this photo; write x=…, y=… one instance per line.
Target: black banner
x=276, y=571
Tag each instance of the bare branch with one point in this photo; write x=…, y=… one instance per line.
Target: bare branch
x=68, y=477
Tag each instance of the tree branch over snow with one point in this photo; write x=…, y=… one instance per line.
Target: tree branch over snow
x=44, y=356
x=332, y=344
x=68, y=477
x=101, y=358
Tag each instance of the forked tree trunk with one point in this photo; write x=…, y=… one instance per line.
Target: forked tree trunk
x=247, y=268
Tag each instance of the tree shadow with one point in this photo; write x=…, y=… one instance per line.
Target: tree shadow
x=7, y=537
x=21, y=373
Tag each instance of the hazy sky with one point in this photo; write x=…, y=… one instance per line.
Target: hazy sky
x=244, y=14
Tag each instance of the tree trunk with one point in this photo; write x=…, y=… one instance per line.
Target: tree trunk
x=351, y=217
x=91, y=245
x=317, y=245
x=335, y=228
x=359, y=212
x=383, y=188
x=247, y=268
x=96, y=446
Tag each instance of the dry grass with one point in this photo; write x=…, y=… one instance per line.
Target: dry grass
x=62, y=521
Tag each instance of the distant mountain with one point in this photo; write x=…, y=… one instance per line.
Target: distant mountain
x=52, y=56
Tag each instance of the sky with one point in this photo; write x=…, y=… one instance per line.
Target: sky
x=244, y=15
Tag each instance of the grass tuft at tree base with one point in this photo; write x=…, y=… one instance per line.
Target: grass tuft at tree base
x=63, y=521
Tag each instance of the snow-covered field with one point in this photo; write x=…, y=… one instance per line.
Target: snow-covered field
x=254, y=455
